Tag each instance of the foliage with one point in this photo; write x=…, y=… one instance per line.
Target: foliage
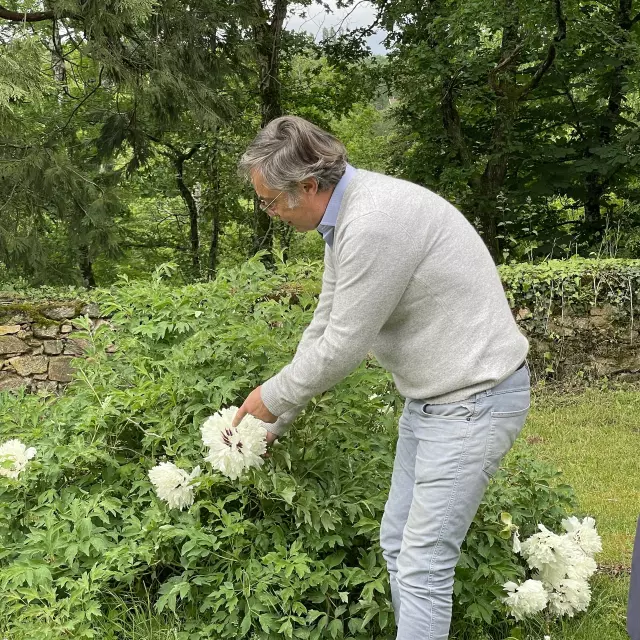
x=122, y=123
x=125, y=82
x=366, y=132
x=576, y=286
x=290, y=550
x=534, y=104
x=21, y=290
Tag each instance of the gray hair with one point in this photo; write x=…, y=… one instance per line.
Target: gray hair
x=289, y=150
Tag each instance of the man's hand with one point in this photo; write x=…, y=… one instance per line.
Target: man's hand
x=254, y=406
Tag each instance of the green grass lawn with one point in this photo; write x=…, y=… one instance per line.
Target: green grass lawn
x=594, y=438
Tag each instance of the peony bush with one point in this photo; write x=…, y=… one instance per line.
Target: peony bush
x=561, y=566
x=139, y=492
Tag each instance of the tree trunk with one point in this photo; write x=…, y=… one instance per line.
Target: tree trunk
x=268, y=49
x=213, y=247
x=192, y=206
x=58, y=63
x=86, y=267
x=214, y=180
x=593, y=222
x=507, y=94
x=268, y=38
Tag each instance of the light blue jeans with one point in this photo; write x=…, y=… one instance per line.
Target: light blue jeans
x=445, y=457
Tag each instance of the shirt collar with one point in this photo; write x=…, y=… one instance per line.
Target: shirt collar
x=331, y=212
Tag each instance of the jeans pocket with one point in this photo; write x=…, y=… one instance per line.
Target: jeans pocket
x=450, y=411
x=507, y=422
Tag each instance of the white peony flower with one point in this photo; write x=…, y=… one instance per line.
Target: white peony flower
x=173, y=485
x=552, y=555
x=584, y=534
x=582, y=568
x=234, y=449
x=14, y=457
x=569, y=597
x=557, y=558
x=526, y=599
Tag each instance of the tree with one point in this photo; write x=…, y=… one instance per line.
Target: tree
x=592, y=104
x=135, y=74
x=463, y=72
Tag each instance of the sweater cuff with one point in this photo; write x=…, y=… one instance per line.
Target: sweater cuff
x=281, y=425
x=278, y=428
x=272, y=399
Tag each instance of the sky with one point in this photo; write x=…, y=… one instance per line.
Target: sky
x=361, y=14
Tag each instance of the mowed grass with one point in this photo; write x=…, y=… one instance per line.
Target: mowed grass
x=594, y=439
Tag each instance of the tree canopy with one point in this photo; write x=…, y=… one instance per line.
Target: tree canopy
x=121, y=124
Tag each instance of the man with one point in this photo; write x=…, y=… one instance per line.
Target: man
x=407, y=278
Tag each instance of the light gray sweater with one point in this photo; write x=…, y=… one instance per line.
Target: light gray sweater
x=409, y=279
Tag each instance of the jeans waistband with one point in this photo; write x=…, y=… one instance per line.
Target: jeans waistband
x=519, y=380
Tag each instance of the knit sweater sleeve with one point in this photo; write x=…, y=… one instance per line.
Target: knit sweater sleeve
x=322, y=312
x=312, y=333
x=375, y=260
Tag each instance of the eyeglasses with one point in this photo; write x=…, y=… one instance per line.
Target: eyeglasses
x=268, y=207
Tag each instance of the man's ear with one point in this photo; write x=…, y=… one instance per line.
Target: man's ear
x=309, y=186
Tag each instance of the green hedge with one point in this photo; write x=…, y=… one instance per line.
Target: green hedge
x=575, y=285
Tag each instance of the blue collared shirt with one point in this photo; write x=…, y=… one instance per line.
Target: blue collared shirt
x=328, y=223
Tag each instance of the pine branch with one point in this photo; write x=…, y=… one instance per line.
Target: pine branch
x=180, y=156
x=73, y=113
x=32, y=16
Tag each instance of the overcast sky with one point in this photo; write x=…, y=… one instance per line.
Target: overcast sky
x=362, y=14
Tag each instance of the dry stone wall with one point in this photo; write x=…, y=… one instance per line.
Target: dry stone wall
x=39, y=341
x=600, y=343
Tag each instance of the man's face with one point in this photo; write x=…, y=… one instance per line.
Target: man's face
x=305, y=216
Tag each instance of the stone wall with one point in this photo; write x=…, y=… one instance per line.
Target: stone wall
x=38, y=341
x=601, y=343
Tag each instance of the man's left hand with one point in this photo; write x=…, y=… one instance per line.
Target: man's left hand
x=254, y=406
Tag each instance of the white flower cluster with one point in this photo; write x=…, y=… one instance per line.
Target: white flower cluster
x=526, y=599
x=174, y=485
x=14, y=457
x=232, y=450
x=562, y=566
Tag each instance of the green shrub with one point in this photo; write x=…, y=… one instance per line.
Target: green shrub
x=288, y=551
x=576, y=285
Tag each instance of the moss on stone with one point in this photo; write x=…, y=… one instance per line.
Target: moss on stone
x=34, y=311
